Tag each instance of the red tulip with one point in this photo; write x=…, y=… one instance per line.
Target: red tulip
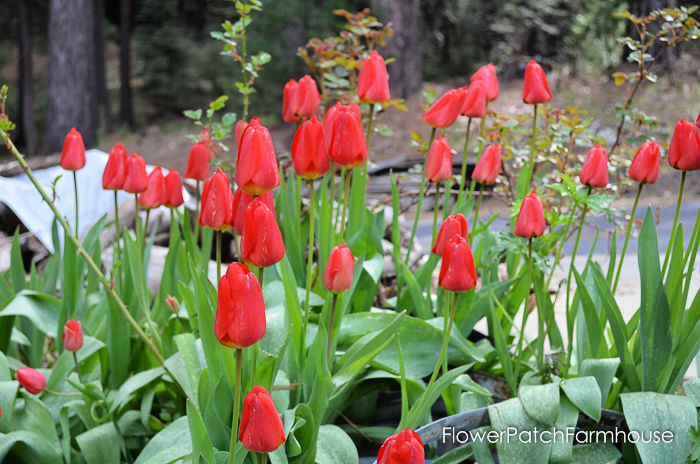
x=645, y=165
x=72, y=335
x=73, y=154
x=309, y=150
x=307, y=98
x=536, y=88
x=684, y=150
x=217, y=202
x=530, y=222
x=261, y=240
x=330, y=117
x=135, y=179
x=438, y=167
x=489, y=165
x=347, y=141
x=487, y=75
x=453, y=225
x=594, y=172
x=373, y=83
x=173, y=190
x=405, y=447
x=198, y=162
x=261, y=426
x=241, y=200
x=337, y=277
x=475, y=102
x=444, y=112
x=289, y=100
x=31, y=379
x=115, y=169
x=154, y=195
x=457, y=272
x=240, y=309
x=256, y=169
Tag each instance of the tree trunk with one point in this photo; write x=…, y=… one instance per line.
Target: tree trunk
x=71, y=98
x=100, y=77
x=126, y=110
x=27, y=128
x=405, y=72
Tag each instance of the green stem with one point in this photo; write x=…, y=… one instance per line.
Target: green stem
x=310, y=258
x=482, y=132
x=446, y=199
x=531, y=159
x=675, y=223
x=436, y=211
x=368, y=137
x=348, y=173
x=540, y=316
x=116, y=225
x=627, y=237
x=145, y=225
x=261, y=272
x=218, y=256
x=196, y=215
x=464, y=158
x=421, y=193
x=341, y=186
x=137, y=229
x=75, y=187
x=331, y=178
x=476, y=211
x=298, y=197
x=236, y=407
x=557, y=256
x=263, y=459
x=77, y=368
x=331, y=326
x=569, y=315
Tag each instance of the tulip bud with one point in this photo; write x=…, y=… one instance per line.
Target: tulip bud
x=536, y=88
x=240, y=310
x=594, y=172
x=530, y=222
x=256, y=168
x=173, y=190
x=438, y=167
x=453, y=225
x=475, y=101
x=155, y=190
x=309, y=150
x=261, y=426
x=73, y=154
x=241, y=200
x=337, y=277
x=115, y=169
x=289, y=100
x=72, y=335
x=136, y=179
x=444, y=112
x=405, y=447
x=684, y=150
x=373, y=83
x=307, y=98
x=217, y=202
x=330, y=118
x=198, y=162
x=347, y=141
x=457, y=272
x=489, y=165
x=31, y=379
x=261, y=240
x=172, y=304
x=645, y=165
x=487, y=75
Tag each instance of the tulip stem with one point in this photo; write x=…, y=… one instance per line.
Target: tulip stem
x=145, y=225
x=77, y=367
x=436, y=211
x=218, y=255
x=75, y=188
x=137, y=230
x=627, y=237
x=675, y=224
x=446, y=199
x=368, y=138
x=464, y=158
x=264, y=458
x=348, y=173
x=557, y=256
x=331, y=326
x=482, y=132
x=196, y=215
x=331, y=174
x=236, y=407
x=476, y=211
x=116, y=225
x=310, y=258
x=421, y=193
x=338, y=212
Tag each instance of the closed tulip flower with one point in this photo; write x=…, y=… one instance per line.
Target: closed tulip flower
x=154, y=196
x=73, y=154
x=347, y=141
x=241, y=200
x=136, y=179
x=198, y=162
x=217, y=202
x=240, y=309
x=530, y=222
x=337, y=277
x=405, y=447
x=256, y=168
x=444, y=112
x=438, y=166
x=489, y=165
x=594, y=172
x=307, y=98
x=453, y=225
x=645, y=165
x=487, y=75
x=457, y=273
x=72, y=335
x=31, y=379
x=261, y=240
x=536, y=88
x=261, y=426
x=173, y=190
x=309, y=151
x=115, y=169
x=330, y=118
x=475, y=101
x=684, y=150
x=373, y=83
x=289, y=101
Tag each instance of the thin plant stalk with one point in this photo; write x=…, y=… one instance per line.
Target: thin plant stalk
x=627, y=237
x=310, y=258
x=526, y=313
x=136, y=219
x=368, y=137
x=675, y=224
x=196, y=214
x=75, y=189
x=341, y=189
x=145, y=225
x=421, y=193
x=569, y=315
x=446, y=199
x=331, y=325
x=540, y=316
x=557, y=256
x=116, y=223
x=77, y=367
x=436, y=211
x=261, y=271
x=236, y=406
x=331, y=174
x=482, y=134
x=348, y=173
x=464, y=158
x=218, y=255
x=263, y=458
x=476, y=211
